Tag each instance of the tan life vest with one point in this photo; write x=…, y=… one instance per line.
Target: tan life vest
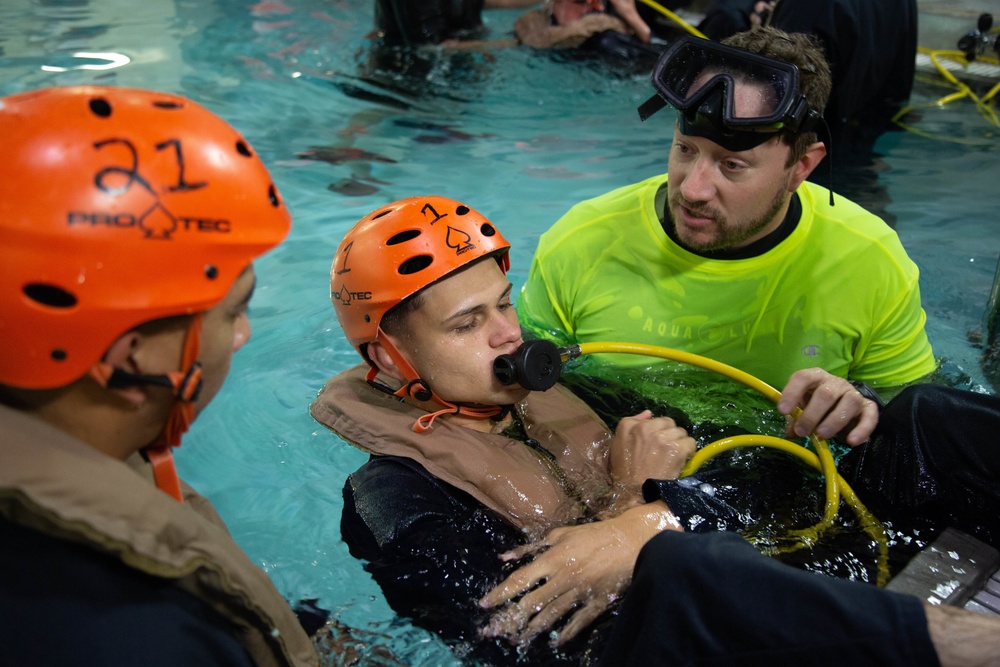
x=504, y=474
x=54, y=483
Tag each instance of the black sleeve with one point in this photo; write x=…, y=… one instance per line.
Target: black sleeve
x=713, y=600
x=66, y=604
x=932, y=461
x=432, y=549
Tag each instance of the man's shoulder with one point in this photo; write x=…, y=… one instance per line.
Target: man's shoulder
x=590, y=220
x=387, y=471
x=845, y=219
x=626, y=196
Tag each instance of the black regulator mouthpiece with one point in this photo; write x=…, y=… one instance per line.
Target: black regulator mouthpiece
x=535, y=365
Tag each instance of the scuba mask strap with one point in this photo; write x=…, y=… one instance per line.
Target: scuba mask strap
x=828, y=139
x=186, y=386
x=418, y=390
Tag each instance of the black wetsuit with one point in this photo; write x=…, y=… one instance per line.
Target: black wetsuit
x=416, y=22
x=433, y=551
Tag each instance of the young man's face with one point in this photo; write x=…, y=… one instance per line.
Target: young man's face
x=464, y=322
x=224, y=330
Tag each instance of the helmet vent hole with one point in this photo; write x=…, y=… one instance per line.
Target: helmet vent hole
x=100, y=107
x=58, y=355
x=49, y=295
x=462, y=210
x=243, y=149
x=211, y=272
x=403, y=237
x=272, y=196
x=167, y=104
x=415, y=264
x=488, y=230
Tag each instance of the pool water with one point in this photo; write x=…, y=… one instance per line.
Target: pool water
x=518, y=135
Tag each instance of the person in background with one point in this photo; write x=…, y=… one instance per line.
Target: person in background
x=733, y=255
x=612, y=27
x=130, y=221
x=871, y=48
x=409, y=23
x=570, y=23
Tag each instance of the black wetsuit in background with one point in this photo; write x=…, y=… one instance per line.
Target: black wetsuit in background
x=416, y=22
x=871, y=47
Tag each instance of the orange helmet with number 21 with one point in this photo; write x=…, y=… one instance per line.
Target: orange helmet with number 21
x=117, y=207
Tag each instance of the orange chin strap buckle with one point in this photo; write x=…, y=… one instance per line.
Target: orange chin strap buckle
x=417, y=389
x=186, y=386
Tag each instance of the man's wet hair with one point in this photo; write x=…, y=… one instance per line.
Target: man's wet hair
x=805, y=52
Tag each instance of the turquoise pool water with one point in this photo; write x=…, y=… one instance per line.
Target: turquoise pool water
x=517, y=135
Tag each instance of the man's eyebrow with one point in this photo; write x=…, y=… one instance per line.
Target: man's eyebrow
x=478, y=307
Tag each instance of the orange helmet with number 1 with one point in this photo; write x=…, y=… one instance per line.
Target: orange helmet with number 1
x=391, y=254
x=397, y=250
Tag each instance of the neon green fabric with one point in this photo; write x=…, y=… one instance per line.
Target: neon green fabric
x=839, y=293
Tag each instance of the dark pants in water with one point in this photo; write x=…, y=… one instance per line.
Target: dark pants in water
x=712, y=599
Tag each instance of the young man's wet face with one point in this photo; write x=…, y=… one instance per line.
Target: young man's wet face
x=462, y=324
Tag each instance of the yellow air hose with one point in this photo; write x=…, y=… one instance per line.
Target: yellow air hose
x=674, y=17
x=983, y=104
x=821, y=460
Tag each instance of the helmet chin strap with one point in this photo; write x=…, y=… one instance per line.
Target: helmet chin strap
x=186, y=386
x=417, y=389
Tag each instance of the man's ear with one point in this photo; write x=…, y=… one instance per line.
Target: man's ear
x=805, y=165
x=383, y=361
x=121, y=354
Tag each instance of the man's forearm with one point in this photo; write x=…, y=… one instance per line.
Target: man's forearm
x=963, y=638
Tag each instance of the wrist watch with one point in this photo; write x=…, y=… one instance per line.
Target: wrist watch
x=869, y=393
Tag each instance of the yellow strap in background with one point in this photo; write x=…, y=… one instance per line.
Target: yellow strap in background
x=674, y=17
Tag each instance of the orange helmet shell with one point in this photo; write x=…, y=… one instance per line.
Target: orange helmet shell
x=397, y=250
x=118, y=206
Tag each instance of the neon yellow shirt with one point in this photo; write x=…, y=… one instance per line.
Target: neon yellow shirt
x=839, y=292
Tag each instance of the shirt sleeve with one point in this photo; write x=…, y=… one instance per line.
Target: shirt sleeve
x=542, y=306
x=899, y=351
x=705, y=600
